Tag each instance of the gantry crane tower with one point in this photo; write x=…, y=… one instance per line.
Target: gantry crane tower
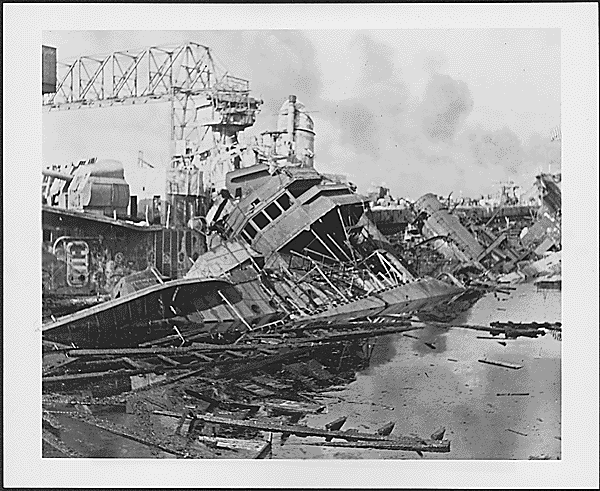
x=184, y=75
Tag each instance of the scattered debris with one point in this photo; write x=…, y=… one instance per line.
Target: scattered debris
x=512, y=394
x=387, y=429
x=438, y=434
x=517, y=432
x=238, y=320
x=410, y=336
x=369, y=440
x=503, y=364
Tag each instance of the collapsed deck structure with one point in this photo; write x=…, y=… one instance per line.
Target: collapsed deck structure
x=288, y=243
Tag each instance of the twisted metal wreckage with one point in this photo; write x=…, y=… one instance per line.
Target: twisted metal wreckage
x=256, y=312
x=299, y=280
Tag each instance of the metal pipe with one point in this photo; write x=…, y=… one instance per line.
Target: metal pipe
x=325, y=245
x=322, y=274
x=234, y=309
x=338, y=246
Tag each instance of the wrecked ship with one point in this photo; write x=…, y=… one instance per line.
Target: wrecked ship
x=283, y=241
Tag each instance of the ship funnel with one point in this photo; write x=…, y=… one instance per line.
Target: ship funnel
x=297, y=140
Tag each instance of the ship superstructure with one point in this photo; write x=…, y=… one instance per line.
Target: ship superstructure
x=290, y=244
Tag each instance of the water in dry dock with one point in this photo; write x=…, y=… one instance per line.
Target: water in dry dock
x=423, y=388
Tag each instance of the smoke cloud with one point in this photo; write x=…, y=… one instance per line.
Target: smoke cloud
x=394, y=119
x=498, y=148
x=286, y=65
x=368, y=119
x=447, y=103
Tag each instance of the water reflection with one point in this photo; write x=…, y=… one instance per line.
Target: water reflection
x=384, y=350
x=432, y=341
x=458, y=392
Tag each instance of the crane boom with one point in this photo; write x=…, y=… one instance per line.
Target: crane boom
x=176, y=73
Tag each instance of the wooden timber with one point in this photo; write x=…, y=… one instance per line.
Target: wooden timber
x=258, y=447
x=502, y=364
x=156, y=351
x=509, y=331
x=441, y=446
x=408, y=443
x=119, y=430
x=386, y=429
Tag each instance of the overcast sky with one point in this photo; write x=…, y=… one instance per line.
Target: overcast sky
x=417, y=110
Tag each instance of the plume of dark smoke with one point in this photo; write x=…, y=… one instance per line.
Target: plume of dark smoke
x=446, y=104
x=287, y=65
x=368, y=120
x=380, y=125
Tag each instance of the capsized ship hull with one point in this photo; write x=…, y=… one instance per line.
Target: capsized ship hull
x=285, y=243
x=419, y=296
x=200, y=304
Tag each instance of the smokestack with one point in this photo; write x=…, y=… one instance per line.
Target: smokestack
x=291, y=124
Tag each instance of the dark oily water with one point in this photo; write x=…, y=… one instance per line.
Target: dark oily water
x=425, y=386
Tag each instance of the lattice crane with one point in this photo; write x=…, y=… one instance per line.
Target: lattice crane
x=187, y=77
x=179, y=74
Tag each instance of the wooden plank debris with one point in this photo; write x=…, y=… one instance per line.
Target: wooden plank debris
x=232, y=443
x=386, y=429
x=442, y=446
x=438, y=434
x=84, y=376
x=203, y=357
x=512, y=394
x=409, y=336
x=219, y=402
x=168, y=360
x=510, y=331
x=266, y=451
x=119, y=430
x=408, y=443
x=251, y=366
x=294, y=406
x=335, y=425
x=502, y=364
x=491, y=337
x=517, y=432
x=160, y=350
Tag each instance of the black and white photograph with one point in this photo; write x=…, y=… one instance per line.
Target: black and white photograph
x=304, y=243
